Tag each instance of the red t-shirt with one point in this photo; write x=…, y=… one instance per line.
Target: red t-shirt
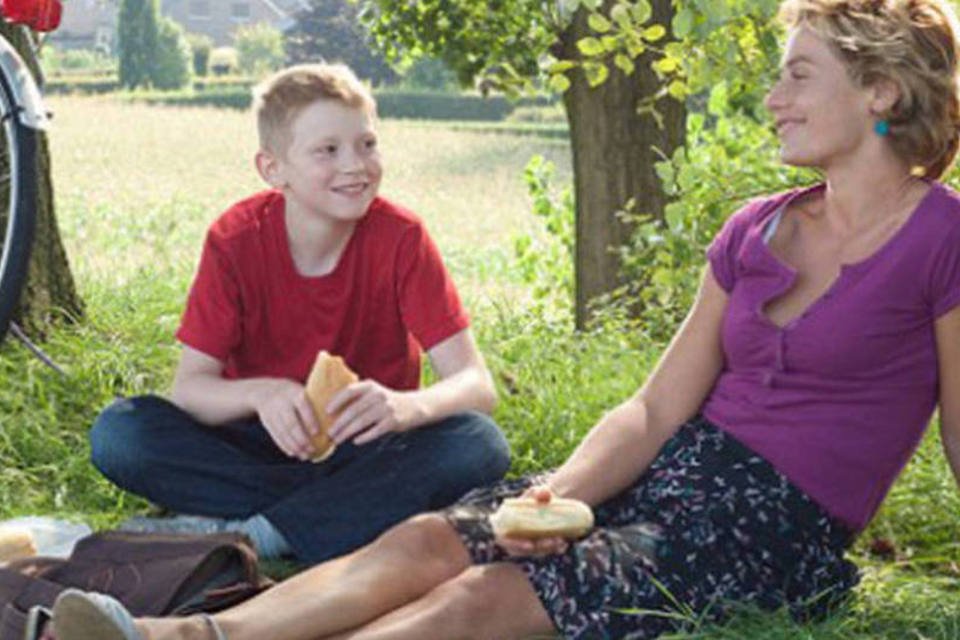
x=388, y=296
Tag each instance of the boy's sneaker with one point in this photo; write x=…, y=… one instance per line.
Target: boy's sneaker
x=177, y=524
x=267, y=541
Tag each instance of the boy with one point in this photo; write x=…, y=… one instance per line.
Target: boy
x=317, y=262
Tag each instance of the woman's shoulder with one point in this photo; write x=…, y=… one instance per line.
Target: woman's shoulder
x=754, y=214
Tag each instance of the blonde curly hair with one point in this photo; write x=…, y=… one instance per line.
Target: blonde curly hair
x=280, y=98
x=910, y=42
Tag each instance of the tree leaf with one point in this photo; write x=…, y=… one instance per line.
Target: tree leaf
x=559, y=83
x=683, y=23
x=635, y=46
x=678, y=89
x=654, y=32
x=590, y=46
x=666, y=65
x=641, y=11
x=599, y=23
x=624, y=63
x=620, y=14
x=560, y=66
x=596, y=73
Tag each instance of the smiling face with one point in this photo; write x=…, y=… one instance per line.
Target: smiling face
x=331, y=167
x=822, y=118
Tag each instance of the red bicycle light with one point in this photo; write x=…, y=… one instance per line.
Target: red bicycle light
x=39, y=15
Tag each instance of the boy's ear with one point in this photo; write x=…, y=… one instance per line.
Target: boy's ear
x=268, y=166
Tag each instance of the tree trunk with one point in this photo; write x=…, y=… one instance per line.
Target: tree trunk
x=614, y=151
x=50, y=292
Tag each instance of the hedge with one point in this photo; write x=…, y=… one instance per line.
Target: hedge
x=234, y=93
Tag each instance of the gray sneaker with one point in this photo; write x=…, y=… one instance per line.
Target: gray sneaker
x=176, y=524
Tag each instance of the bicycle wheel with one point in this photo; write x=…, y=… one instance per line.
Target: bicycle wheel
x=18, y=203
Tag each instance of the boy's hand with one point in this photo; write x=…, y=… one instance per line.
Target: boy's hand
x=286, y=413
x=370, y=410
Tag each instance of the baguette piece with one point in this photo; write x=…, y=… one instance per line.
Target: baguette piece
x=530, y=519
x=15, y=544
x=329, y=375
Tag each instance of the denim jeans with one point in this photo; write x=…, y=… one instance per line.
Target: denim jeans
x=149, y=446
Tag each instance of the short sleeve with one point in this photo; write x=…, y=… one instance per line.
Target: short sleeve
x=211, y=322
x=945, y=274
x=429, y=303
x=724, y=251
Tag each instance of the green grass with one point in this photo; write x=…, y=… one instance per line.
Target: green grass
x=137, y=186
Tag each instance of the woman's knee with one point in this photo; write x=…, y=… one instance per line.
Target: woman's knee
x=490, y=601
x=430, y=539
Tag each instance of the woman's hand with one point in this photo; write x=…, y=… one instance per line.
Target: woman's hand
x=538, y=547
x=370, y=410
x=285, y=412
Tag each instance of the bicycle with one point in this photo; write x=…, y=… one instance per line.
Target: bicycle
x=22, y=118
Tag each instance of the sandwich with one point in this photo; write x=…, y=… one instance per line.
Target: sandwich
x=531, y=519
x=329, y=375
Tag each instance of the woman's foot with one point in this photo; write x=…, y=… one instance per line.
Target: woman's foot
x=84, y=615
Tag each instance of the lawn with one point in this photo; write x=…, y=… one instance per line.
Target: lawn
x=137, y=185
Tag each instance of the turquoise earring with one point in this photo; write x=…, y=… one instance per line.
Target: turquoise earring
x=882, y=127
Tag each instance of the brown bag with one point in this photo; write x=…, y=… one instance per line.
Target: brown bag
x=151, y=574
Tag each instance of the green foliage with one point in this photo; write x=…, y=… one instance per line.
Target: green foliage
x=722, y=167
x=223, y=61
x=546, y=264
x=430, y=74
x=75, y=61
x=553, y=114
x=330, y=30
x=259, y=49
x=433, y=105
x=137, y=33
x=201, y=45
x=81, y=84
x=500, y=40
x=173, y=61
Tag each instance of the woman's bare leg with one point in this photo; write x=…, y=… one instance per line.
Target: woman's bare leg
x=403, y=564
x=492, y=602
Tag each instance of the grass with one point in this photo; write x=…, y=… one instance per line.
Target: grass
x=136, y=187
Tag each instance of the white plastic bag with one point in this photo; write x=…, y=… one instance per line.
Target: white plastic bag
x=53, y=537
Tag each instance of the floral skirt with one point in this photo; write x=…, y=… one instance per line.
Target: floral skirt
x=710, y=524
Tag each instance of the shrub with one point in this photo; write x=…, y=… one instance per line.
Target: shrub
x=201, y=45
x=81, y=84
x=75, y=61
x=553, y=114
x=223, y=61
x=259, y=49
x=440, y=106
x=429, y=73
x=138, y=33
x=173, y=61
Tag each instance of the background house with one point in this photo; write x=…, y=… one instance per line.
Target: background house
x=87, y=24
x=92, y=24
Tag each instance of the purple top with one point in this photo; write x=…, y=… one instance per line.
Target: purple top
x=839, y=398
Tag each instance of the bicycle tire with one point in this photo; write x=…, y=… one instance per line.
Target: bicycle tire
x=18, y=206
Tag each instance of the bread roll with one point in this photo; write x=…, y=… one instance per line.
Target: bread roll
x=329, y=375
x=16, y=544
x=528, y=518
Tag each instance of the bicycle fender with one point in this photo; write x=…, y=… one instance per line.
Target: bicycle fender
x=22, y=89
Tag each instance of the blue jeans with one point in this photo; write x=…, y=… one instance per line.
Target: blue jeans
x=149, y=446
